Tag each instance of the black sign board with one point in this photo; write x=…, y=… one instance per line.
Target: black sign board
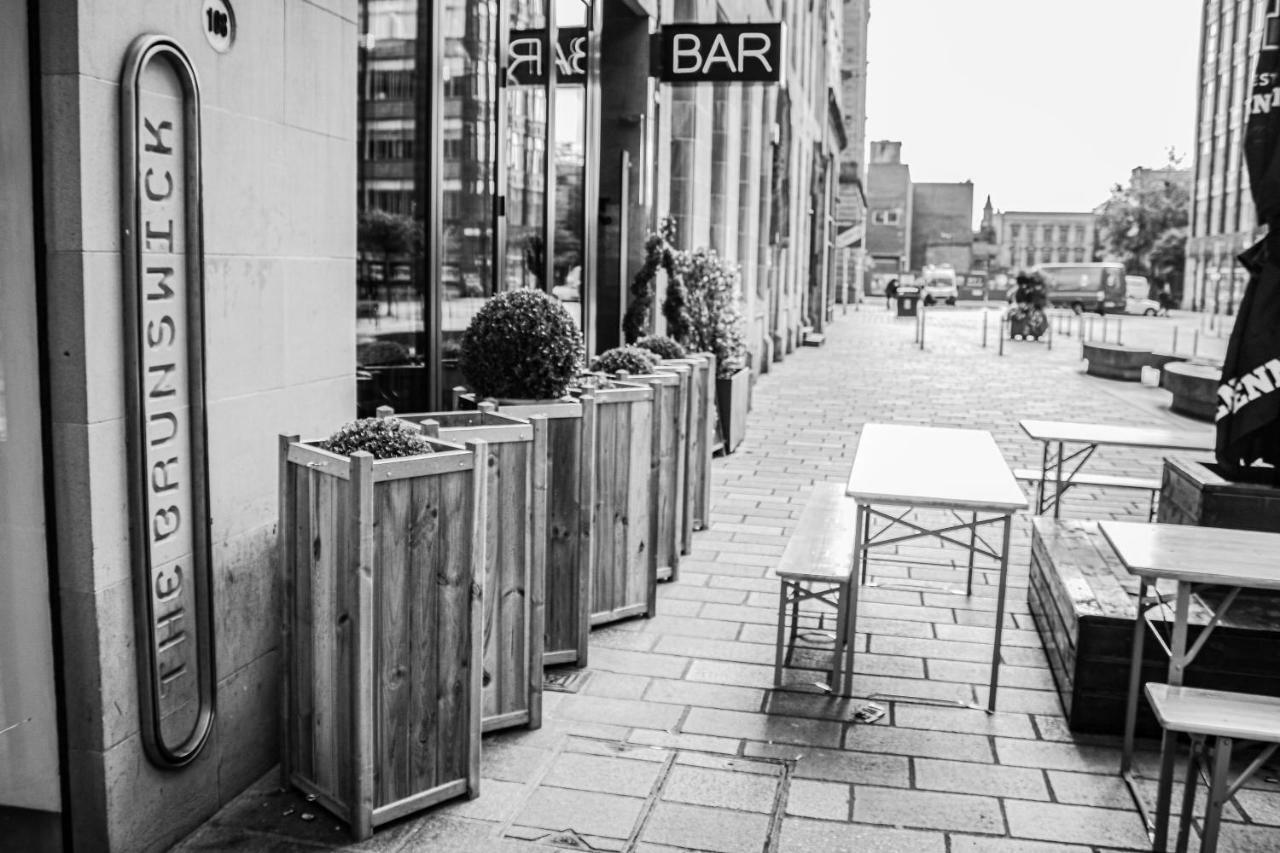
x=721, y=53
x=528, y=61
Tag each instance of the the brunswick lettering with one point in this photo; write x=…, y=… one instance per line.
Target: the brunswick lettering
x=1257, y=383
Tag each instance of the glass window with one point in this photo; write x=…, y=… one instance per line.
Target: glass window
x=570, y=176
x=526, y=167
x=1015, y=230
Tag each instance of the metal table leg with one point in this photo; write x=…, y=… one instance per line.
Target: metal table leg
x=1004, y=580
x=1169, y=742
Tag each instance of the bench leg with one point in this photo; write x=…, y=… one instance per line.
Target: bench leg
x=850, y=633
x=1217, y=794
x=862, y=531
x=782, y=627
x=795, y=621
x=1189, y=792
x=973, y=540
x=839, y=680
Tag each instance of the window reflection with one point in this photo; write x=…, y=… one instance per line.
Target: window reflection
x=570, y=157
x=526, y=167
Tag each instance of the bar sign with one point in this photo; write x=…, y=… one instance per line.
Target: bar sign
x=721, y=53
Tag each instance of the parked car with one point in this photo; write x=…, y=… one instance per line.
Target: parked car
x=1137, y=296
x=940, y=285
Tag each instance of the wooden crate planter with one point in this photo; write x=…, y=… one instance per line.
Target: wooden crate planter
x=702, y=433
x=570, y=486
x=1193, y=492
x=515, y=549
x=622, y=581
x=383, y=573
x=667, y=459
x=733, y=395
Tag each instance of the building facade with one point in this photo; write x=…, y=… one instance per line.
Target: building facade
x=942, y=225
x=1223, y=220
x=1024, y=239
x=851, y=196
x=889, y=200
x=283, y=215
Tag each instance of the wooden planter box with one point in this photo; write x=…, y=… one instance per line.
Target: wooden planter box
x=701, y=435
x=1193, y=492
x=623, y=583
x=733, y=394
x=667, y=475
x=515, y=549
x=570, y=486
x=383, y=577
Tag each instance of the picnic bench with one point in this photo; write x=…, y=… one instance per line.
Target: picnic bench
x=817, y=565
x=1221, y=718
x=1103, y=481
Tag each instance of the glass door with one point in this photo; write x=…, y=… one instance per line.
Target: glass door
x=30, y=796
x=572, y=268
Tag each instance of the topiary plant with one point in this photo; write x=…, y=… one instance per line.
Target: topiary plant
x=659, y=253
x=522, y=344
x=662, y=346
x=714, y=321
x=385, y=438
x=628, y=359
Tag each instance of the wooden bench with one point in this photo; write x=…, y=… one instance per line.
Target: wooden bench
x=1106, y=481
x=817, y=565
x=1083, y=603
x=1222, y=718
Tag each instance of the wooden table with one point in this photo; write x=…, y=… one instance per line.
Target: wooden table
x=957, y=470
x=1065, y=467
x=1194, y=557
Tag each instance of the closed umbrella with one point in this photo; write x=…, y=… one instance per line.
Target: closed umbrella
x=1248, y=416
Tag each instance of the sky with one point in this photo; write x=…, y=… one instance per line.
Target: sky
x=1043, y=105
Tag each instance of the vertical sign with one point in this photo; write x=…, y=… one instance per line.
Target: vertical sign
x=164, y=344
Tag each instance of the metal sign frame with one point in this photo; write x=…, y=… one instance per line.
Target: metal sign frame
x=162, y=634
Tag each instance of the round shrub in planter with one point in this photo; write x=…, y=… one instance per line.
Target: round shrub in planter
x=522, y=345
x=662, y=346
x=383, y=439
x=625, y=359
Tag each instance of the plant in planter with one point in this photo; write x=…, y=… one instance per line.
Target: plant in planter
x=625, y=359
x=522, y=344
x=703, y=315
x=382, y=552
x=662, y=346
x=524, y=350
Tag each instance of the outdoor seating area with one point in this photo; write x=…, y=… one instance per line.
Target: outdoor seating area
x=878, y=642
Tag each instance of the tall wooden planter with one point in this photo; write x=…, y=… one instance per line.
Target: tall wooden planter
x=623, y=583
x=702, y=431
x=667, y=460
x=383, y=573
x=515, y=550
x=570, y=486
x=732, y=399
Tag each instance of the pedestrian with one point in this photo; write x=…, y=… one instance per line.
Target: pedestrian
x=890, y=291
x=1165, y=298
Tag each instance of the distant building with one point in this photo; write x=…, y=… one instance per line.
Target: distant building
x=1223, y=219
x=942, y=225
x=889, y=199
x=1142, y=178
x=1026, y=238
x=851, y=177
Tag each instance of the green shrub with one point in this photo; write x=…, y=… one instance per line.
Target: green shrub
x=385, y=438
x=629, y=359
x=707, y=305
x=662, y=346
x=522, y=344
x=382, y=353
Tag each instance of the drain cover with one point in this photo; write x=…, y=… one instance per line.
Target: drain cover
x=565, y=680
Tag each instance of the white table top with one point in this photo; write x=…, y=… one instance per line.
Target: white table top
x=933, y=467
x=1114, y=434
x=1209, y=555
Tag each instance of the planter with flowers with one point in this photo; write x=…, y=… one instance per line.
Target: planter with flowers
x=522, y=350
x=700, y=431
x=382, y=554
x=702, y=313
x=668, y=448
x=515, y=554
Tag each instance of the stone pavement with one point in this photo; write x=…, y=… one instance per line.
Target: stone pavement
x=676, y=740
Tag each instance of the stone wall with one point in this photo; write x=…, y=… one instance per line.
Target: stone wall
x=279, y=182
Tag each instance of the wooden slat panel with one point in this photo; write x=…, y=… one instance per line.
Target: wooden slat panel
x=642, y=578
x=453, y=636
x=324, y=553
x=304, y=605
x=536, y=593
x=286, y=530
x=394, y=731
x=606, y=499
x=563, y=554
x=343, y=663
x=364, y=758
x=424, y=537
x=506, y=581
